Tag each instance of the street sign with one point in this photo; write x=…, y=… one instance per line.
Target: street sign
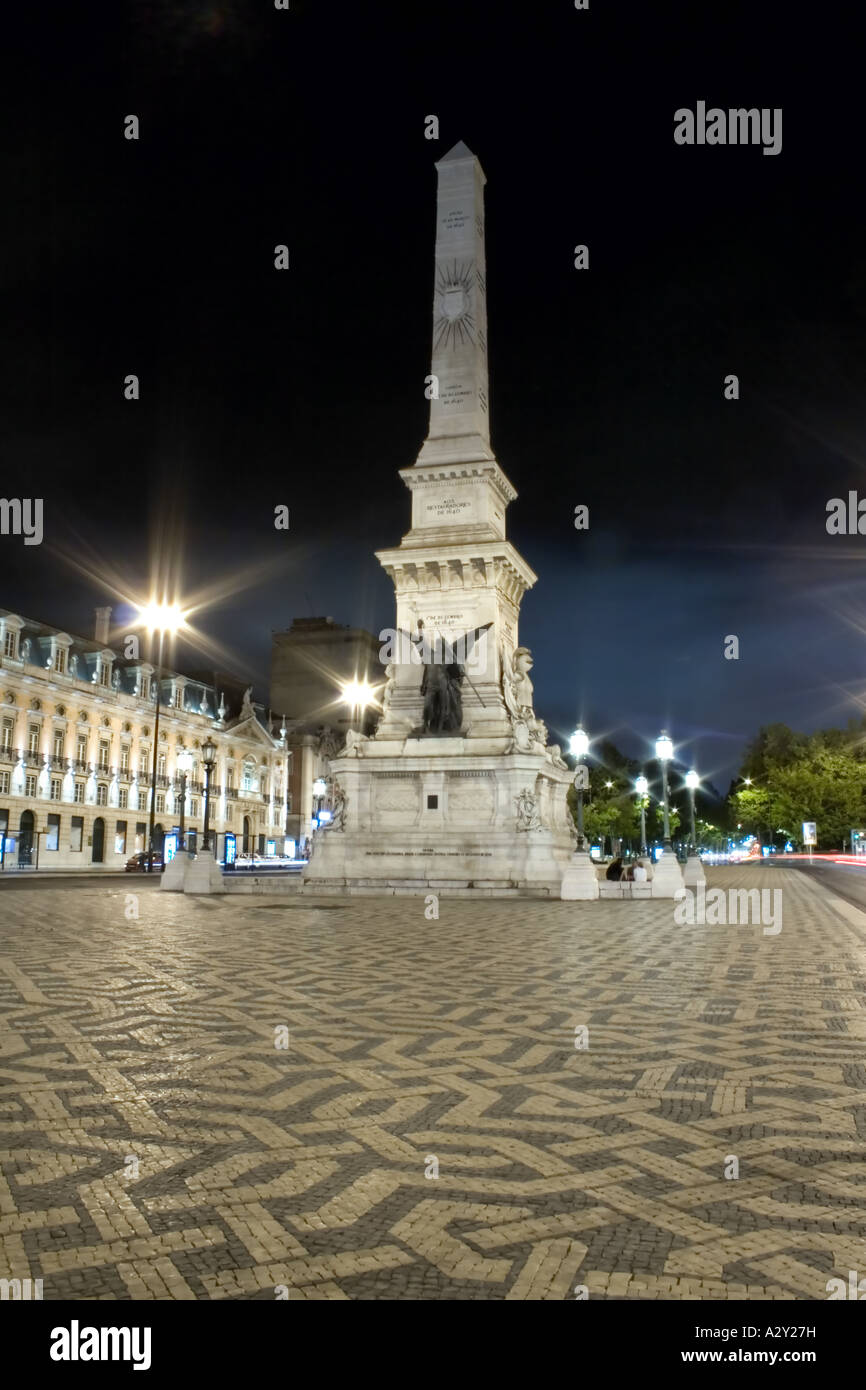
x=810, y=833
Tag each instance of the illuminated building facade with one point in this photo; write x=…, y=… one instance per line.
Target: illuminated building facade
x=76, y=754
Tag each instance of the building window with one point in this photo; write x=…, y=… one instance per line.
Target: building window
x=193, y=806
x=10, y=645
x=4, y=783
x=120, y=837
x=144, y=762
x=124, y=759
x=82, y=748
x=160, y=802
x=59, y=660
x=78, y=794
x=52, y=839
x=30, y=784
x=140, y=832
x=104, y=672
x=123, y=797
x=102, y=794
x=228, y=815
x=33, y=738
x=160, y=765
x=56, y=788
x=8, y=727
x=76, y=833
x=59, y=743
x=142, y=799
x=103, y=754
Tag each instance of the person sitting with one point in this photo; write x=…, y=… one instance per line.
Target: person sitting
x=639, y=872
x=615, y=869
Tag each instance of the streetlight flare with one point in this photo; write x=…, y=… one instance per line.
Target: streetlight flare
x=162, y=617
x=357, y=693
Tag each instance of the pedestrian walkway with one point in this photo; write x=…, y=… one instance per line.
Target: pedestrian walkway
x=231, y=1097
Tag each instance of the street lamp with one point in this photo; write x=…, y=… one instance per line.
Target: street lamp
x=579, y=879
x=183, y=764
x=162, y=618
x=641, y=786
x=208, y=754
x=578, y=747
x=693, y=781
x=665, y=751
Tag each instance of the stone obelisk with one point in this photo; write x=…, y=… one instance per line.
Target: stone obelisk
x=459, y=403
x=476, y=804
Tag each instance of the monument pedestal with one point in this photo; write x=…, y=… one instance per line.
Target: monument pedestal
x=204, y=874
x=174, y=873
x=579, y=881
x=667, y=878
x=439, y=818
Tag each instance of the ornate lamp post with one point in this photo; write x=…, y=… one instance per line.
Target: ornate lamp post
x=162, y=618
x=184, y=763
x=579, y=879
x=579, y=747
x=641, y=786
x=320, y=791
x=692, y=781
x=208, y=754
x=694, y=870
x=665, y=751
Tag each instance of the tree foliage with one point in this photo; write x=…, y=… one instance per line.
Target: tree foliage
x=797, y=777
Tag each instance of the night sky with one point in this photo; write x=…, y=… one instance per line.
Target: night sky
x=258, y=127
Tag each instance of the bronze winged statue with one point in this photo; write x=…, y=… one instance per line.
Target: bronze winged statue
x=443, y=677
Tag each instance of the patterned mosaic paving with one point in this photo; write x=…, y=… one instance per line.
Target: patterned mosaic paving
x=156, y=1143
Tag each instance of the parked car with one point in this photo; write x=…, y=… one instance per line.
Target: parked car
x=138, y=863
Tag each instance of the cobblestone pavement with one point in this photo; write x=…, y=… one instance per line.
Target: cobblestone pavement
x=158, y=1142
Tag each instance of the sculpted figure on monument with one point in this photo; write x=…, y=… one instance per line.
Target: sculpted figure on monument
x=443, y=677
x=530, y=734
x=527, y=811
x=338, y=819
x=247, y=706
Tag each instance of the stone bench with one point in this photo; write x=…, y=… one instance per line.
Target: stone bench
x=617, y=888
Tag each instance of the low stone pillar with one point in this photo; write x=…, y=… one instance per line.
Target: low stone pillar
x=693, y=873
x=204, y=874
x=174, y=874
x=667, y=877
x=579, y=879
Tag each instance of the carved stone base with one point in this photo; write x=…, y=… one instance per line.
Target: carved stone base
x=437, y=816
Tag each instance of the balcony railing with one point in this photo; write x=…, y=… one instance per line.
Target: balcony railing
x=8, y=755
x=80, y=764
x=58, y=762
